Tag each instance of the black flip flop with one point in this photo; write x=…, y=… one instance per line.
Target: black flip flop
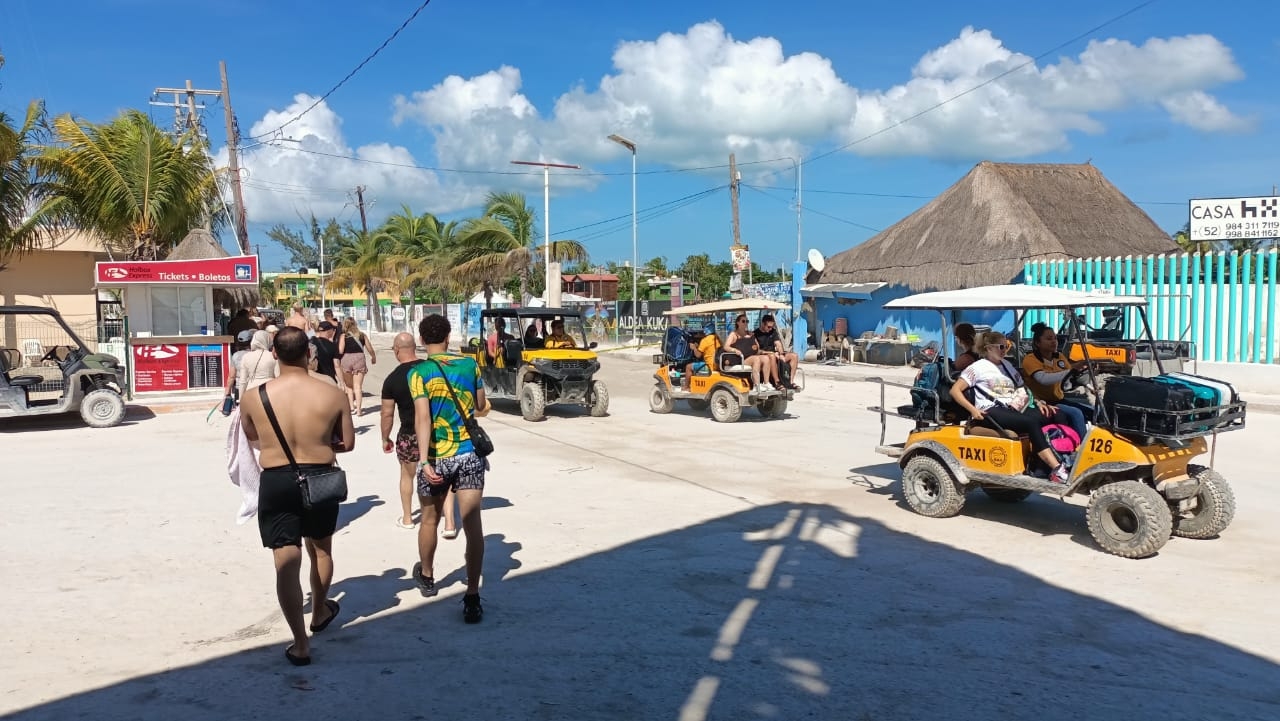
x=333, y=607
x=297, y=660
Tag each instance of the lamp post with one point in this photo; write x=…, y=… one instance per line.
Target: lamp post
x=546, y=219
x=635, y=252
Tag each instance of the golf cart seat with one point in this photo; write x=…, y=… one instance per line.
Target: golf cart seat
x=973, y=429
x=7, y=356
x=731, y=361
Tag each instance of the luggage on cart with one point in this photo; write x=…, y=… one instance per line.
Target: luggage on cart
x=1145, y=394
x=1209, y=393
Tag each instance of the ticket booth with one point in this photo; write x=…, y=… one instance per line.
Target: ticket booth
x=173, y=337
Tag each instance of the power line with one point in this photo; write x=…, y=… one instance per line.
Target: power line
x=645, y=210
x=654, y=214
x=987, y=82
x=470, y=171
x=349, y=75
x=815, y=211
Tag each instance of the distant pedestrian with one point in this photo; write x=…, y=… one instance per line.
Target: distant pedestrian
x=353, y=345
x=313, y=417
x=447, y=458
x=324, y=353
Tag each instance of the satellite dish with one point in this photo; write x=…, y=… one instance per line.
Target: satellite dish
x=816, y=260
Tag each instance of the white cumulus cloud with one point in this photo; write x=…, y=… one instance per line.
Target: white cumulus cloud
x=282, y=179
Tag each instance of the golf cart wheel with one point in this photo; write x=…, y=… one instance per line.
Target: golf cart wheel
x=725, y=407
x=775, y=407
x=1129, y=519
x=533, y=402
x=1215, y=506
x=599, y=399
x=698, y=404
x=930, y=489
x=660, y=400
x=1006, y=495
x=102, y=408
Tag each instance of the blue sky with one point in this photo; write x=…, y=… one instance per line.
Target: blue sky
x=1177, y=100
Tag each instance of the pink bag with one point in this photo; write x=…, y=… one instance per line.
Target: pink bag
x=1062, y=438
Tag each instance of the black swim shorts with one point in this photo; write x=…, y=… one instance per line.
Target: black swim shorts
x=282, y=520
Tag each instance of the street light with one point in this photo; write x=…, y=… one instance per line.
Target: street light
x=546, y=218
x=635, y=258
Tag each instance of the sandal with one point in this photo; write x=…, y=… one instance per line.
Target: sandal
x=450, y=533
x=400, y=522
x=296, y=660
x=333, y=607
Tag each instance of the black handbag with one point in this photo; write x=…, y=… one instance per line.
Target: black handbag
x=318, y=487
x=480, y=440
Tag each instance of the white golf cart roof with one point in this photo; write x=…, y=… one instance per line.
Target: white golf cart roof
x=1013, y=297
x=727, y=306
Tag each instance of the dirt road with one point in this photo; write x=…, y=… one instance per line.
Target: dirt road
x=638, y=567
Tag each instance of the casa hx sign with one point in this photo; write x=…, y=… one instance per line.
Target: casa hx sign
x=1235, y=218
x=238, y=270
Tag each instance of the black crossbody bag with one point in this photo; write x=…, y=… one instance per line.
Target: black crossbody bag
x=317, y=487
x=480, y=439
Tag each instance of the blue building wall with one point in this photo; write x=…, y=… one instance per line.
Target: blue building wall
x=871, y=315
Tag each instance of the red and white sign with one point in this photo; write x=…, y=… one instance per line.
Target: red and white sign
x=237, y=270
x=159, y=368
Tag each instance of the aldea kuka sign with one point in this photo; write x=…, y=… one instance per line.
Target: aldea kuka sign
x=1235, y=218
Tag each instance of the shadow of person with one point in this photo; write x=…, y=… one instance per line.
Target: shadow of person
x=499, y=560
x=365, y=596
x=488, y=503
x=351, y=510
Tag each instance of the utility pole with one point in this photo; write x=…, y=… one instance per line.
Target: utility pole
x=364, y=223
x=233, y=160
x=733, y=199
x=233, y=140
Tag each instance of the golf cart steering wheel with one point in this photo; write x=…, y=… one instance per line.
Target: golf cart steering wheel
x=1076, y=380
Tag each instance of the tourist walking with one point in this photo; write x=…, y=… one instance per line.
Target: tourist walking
x=300, y=423
x=324, y=353
x=446, y=391
x=353, y=344
x=396, y=397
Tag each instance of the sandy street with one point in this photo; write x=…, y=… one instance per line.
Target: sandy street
x=638, y=566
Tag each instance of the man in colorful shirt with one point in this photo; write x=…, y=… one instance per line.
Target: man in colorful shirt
x=447, y=460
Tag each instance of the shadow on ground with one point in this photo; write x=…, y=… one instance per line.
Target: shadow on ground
x=782, y=611
x=61, y=421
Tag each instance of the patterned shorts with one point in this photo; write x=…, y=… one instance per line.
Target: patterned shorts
x=407, y=448
x=463, y=472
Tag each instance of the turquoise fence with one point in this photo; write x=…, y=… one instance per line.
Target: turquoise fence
x=1223, y=304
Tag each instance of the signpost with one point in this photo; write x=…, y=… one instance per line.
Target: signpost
x=1235, y=218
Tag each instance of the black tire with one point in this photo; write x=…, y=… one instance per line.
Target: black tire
x=660, y=400
x=600, y=399
x=698, y=404
x=533, y=402
x=1129, y=519
x=102, y=408
x=1006, y=495
x=1215, y=506
x=725, y=407
x=930, y=489
x=775, y=407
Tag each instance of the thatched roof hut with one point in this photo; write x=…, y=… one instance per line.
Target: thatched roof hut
x=982, y=230
x=200, y=244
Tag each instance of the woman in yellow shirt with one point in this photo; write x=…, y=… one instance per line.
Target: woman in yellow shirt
x=1044, y=369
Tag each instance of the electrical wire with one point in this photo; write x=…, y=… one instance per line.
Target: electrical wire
x=349, y=75
x=468, y=171
x=986, y=82
x=690, y=200
x=813, y=210
x=627, y=216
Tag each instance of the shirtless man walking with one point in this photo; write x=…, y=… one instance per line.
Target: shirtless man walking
x=316, y=423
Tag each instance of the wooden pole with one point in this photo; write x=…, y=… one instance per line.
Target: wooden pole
x=233, y=161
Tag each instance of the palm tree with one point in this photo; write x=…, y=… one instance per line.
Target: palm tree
x=423, y=249
x=366, y=262
x=130, y=183
x=28, y=210
x=501, y=244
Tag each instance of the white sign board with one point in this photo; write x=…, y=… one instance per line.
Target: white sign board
x=1235, y=218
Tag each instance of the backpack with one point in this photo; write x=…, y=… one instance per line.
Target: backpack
x=675, y=346
x=1062, y=438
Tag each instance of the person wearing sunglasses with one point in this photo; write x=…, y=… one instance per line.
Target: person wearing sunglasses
x=1000, y=396
x=744, y=341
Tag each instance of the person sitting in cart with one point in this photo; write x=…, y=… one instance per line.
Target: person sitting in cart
x=498, y=338
x=558, y=338
x=1045, y=368
x=771, y=342
x=705, y=350
x=763, y=368
x=531, y=337
x=965, y=339
x=1000, y=397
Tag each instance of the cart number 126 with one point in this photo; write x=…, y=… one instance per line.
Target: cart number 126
x=1099, y=445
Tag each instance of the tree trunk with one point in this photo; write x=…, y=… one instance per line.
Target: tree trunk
x=375, y=311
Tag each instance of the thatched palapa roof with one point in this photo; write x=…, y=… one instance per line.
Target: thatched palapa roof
x=200, y=244
x=982, y=230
